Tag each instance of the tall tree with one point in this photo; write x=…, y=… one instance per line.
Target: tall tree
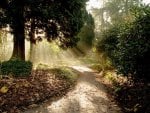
x=87, y=34
x=58, y=19
x=114, y=11
x=119, y=10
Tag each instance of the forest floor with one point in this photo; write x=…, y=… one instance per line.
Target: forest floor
x=17, y=94
x=133, y=96
x=89, y=96
x=44, y=92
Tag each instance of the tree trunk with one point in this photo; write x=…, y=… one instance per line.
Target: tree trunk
x=32, y=40
x=18, y=31
x=126, y=7
x=19, y=46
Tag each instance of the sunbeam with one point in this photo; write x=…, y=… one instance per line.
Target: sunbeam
x=93, y=4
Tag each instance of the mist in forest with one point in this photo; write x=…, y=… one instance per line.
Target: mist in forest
x=41, y=53
x=45, y=53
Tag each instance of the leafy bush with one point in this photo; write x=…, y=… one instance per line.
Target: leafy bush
x=109, y=40
x=16, y=68
x=128, y=46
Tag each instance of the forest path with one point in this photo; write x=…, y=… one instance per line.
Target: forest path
x=89, y=96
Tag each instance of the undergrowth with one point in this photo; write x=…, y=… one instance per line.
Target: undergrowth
x=16, y=68
x=133, y=96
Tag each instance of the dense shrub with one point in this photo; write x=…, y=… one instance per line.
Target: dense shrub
x=16, y=68
x=109, y=40
x=128, y=46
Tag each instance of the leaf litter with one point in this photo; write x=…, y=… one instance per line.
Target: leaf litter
x=17, y=94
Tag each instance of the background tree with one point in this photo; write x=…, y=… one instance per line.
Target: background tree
x=86, y=35
x=113, y=12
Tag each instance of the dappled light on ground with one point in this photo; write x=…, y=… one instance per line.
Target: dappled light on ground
x=82, y=68
x=89, y=96
x=22, y=93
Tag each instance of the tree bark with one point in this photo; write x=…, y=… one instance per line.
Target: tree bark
x=32, y=40
x=19, y=45
x=18, y=31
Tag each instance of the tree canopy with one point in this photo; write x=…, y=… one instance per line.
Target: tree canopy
x=114, y=11
x=87, y=34
x=58, y=19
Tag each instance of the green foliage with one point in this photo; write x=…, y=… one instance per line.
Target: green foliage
x=59, y=19
x=109, y=40
x=86, y=34
x=119, y=10
x=114, y=12
x=97, y=67
x=42, y=66
x=65, y=73
x=128, y=46
x=16, y=68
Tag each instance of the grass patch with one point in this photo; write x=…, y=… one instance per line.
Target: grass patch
x=97, y=67
x=42, y=66
x=100, y=67
x=65, y=73
x=89, y=60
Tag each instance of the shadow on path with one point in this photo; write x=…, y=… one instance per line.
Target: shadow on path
x=89, y=96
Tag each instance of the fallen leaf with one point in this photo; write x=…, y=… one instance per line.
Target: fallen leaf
x=4, y=89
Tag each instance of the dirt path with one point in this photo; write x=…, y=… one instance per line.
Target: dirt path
x=89, y=96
